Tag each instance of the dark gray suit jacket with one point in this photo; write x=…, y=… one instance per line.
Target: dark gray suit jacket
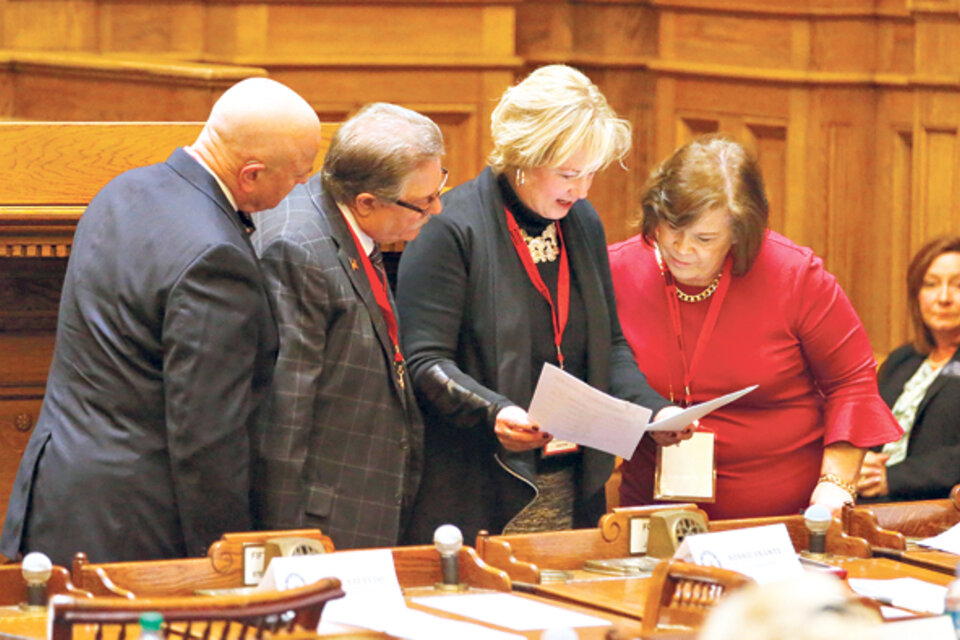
x=932, y=466
x=342, y=441
x=165, y=346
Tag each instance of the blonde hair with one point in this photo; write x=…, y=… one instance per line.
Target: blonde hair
x=551, y=115
x=806, y=607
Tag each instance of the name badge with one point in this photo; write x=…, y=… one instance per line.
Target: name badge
x=559, y=447
x=687, y=472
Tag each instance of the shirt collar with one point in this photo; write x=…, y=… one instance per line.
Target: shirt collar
x=223, y=187
x=365, y=241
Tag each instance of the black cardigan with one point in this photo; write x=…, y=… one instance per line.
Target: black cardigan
x=932, y=466
x=462, y=304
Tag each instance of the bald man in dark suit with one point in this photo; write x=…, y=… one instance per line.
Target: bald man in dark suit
x=165, y=345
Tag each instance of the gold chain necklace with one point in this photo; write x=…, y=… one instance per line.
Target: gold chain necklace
x=686, y=297
x=703, y=295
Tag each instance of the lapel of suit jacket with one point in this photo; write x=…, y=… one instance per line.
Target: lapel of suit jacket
x=940, y=381
x=350, y=261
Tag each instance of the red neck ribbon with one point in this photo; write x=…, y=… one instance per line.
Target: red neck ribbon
x=561, y=310
x=673, y=303
x=380, y=295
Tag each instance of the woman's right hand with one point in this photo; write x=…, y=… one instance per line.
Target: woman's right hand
x=516, y=432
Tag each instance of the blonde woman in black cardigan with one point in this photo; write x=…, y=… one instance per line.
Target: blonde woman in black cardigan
x=515, y=274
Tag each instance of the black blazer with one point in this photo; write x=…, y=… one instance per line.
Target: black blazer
x=342, y=440
x=932, y=466
x=165, y=345
x=462, y=299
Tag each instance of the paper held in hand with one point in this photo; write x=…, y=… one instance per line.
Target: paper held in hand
x=570, y=409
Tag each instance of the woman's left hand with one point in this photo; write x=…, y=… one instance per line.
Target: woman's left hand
x=667, y=438
x=873, y=475
x=830, y=496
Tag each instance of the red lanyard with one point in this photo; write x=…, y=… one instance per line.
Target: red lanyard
x=383, y=301
x=673, y=303
x=560, y=311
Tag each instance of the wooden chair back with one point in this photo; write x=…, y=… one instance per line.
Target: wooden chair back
x=682, y=594
x=524, y=555
x=221, y=569
x=889, y=524
x=13, y=588
x=234, y=617
x=838, y=542
x=419, y=566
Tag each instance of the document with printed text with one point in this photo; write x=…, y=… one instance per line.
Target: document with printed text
x=569, y=409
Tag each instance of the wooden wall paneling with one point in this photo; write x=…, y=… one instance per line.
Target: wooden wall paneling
x=164, y=27
x=889, y=232
x=325, y=32
x=848, y=120
x=83, y=86
x=768, y=140
x=460, y=101
x=753, y=41
x=50, y=25
x=6, y=83
x=795, y=208
x=937, y=44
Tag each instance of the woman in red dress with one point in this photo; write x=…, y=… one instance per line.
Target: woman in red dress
x=711, y=301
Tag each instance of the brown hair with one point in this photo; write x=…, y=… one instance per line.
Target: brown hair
x=922, y=338
x=709, y=172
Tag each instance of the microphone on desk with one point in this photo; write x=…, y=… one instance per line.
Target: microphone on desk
x=448, y=540
x=817, y=518
x=36, y=569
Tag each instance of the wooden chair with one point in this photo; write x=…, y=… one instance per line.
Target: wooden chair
x=524, y=555
x=889, y=524
x=221, y=569
x=13, y=588
x=682, y=594
x=222, y=617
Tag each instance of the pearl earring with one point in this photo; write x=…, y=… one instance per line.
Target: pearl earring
x=520, y=176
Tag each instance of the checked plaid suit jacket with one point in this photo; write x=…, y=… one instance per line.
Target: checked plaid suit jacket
x=342, y=442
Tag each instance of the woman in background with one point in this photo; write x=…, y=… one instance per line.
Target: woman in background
x=920, y=381
x=712, y=301
x=513, y=275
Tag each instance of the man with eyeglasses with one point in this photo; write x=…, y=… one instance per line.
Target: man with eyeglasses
x=342, y=439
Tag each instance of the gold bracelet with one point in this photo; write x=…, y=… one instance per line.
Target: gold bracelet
x=832, y=478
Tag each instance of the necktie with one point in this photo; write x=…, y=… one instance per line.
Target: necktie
x=376, y=259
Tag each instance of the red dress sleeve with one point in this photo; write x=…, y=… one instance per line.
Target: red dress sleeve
x=838, y=353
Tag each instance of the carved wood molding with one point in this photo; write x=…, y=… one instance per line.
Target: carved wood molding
x=37, y=232
x=127, y=67
x=385, y=62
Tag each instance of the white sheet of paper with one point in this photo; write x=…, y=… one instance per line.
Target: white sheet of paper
x=697, y=411
x=512, y=612
x=948, y=541
x=373, y=597
x=763, y=553
x=938, y=628
x=570, y=409
x=907, y=593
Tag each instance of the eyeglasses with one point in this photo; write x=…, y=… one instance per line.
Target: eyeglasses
x=424, y=210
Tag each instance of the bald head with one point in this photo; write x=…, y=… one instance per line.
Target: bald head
x=259, y=132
